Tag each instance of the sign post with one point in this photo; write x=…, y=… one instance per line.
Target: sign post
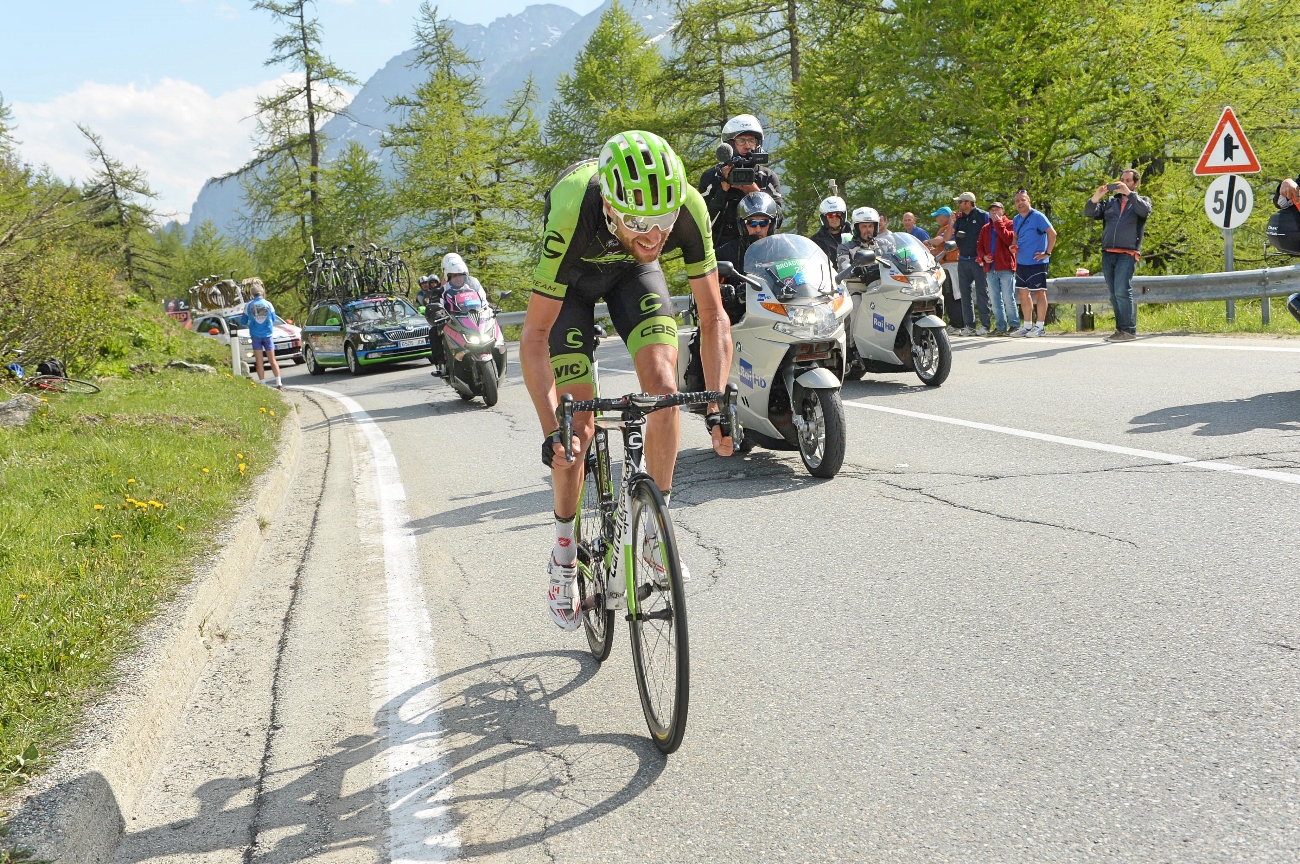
x=1229, y=199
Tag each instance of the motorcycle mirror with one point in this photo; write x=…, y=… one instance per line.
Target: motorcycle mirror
x=950, y=245
x=725, y=152
x=726, y=268
x=864, y=257
x=504, y=294
x=600, y=331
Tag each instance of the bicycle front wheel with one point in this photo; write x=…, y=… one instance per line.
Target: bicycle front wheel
x=657, y=615
x=597, y=620
x=62, y=385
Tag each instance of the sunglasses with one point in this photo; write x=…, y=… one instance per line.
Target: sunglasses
x=644, y=224
x=758, y=223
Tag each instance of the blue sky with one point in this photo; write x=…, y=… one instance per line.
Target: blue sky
x=167, y=82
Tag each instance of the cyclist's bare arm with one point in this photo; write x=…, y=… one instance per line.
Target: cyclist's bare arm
x=535, y=358
x=715, y=343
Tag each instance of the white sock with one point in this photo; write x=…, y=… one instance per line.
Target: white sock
x=565, y=551
x=277, y=381
x=1042, y=325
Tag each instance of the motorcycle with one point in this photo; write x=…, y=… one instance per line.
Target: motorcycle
x=789, y=352
x=473, y=346
x=895, y=322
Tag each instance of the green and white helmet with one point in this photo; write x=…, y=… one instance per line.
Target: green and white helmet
x=637, y=161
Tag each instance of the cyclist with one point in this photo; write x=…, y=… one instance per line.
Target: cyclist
x=832, y=210
x=608, y=221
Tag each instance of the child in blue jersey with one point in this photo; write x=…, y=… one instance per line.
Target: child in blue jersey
x=259, y=316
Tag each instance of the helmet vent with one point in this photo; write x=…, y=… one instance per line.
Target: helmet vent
x=632, y=173
x=654, y=191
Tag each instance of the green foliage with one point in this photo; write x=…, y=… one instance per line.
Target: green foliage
x=358, y=204
x=64, y=305
x=464, y=181
x=75, y=581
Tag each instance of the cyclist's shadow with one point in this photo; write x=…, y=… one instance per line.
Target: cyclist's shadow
x=498, y=768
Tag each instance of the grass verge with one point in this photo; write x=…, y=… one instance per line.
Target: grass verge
x=105, y=503
x=1192, y=318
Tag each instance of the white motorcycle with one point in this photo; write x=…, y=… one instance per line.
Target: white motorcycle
x=789, y=352
x=895, y=322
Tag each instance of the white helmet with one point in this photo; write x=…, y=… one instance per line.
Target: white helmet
x=452, y=263
x=741, y=125
x=833, y=204
x=865, y=214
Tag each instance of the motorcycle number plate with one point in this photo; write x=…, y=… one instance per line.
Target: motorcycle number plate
x=411, y=343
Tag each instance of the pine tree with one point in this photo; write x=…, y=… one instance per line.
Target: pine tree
x=116, y=196
x=358, y=203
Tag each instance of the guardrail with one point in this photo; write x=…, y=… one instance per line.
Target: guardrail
x=1081, y=290
x=506, y=319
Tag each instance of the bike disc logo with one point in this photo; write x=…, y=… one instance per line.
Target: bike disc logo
x=634, y=440
x=573, y=338
x=650, y=303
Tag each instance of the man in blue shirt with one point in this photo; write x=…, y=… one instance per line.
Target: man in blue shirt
x=259, y=317
x=910, y=226
x=1035, y=239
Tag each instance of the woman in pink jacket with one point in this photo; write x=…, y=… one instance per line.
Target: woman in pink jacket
x=993, y=250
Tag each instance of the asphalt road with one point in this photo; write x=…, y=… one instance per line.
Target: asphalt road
x=1047, y=612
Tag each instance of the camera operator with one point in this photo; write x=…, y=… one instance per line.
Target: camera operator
x=741, y=151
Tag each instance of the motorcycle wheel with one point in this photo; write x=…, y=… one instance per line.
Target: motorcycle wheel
x=501, y=364
x=931, y=356
x=313, y=367
x=488, y=376
x=822, y=440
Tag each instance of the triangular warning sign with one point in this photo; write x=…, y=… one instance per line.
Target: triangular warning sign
x=1228, y=151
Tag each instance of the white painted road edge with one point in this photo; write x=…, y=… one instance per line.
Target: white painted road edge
x=417, y=780
x=1142, y=342
x=1153, y=455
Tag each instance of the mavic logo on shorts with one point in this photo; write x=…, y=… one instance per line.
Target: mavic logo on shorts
x=569, y=368
x=552, y=237
x=573, y=338
x=650, y=303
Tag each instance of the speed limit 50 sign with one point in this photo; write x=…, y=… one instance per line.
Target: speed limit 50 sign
x=1229, y=201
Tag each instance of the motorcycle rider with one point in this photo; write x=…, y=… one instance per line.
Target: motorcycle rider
x=430, y=292
x=455, y=276
x=745, y=135
x=832, y=211
x=867, y=226
x=757, y=216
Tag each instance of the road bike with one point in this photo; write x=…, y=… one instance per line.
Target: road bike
x=51, y=383
x=625, y=533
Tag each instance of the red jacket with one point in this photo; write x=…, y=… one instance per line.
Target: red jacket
x=1006, y=238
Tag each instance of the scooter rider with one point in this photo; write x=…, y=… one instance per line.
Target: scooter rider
x=757, y=216
x=867, y=226
x=745, y=135
x=455, y=275
x=832, y=210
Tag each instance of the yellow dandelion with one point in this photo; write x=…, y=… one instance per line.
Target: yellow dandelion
x=99, y=506
x=153, y=503
x=130, y=480
x=263, y=410
x=180, y=527
x=205, y=470
x=43, y=399
x=117, y=536
x=272, y=413
x=239, y=455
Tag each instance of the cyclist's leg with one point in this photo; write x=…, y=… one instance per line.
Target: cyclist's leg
x=642, y=311
x=572, y=343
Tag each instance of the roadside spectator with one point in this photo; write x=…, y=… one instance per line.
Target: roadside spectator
x=970, y=275
x=1125, y=218
x=910, y=226
x=1287, y=197
x=259, y=317
x=948, y=260
x=994, y=251
x=1035, y=239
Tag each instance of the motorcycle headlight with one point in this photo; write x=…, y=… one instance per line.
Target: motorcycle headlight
x=809, y=321
x=921, y=285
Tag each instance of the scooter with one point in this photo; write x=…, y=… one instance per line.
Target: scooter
x=789, y=352
x=895, y=323
x=473, y=346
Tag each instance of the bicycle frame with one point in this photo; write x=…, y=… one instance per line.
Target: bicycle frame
x=616, y=533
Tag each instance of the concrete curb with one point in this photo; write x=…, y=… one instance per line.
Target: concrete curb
x=74, y=812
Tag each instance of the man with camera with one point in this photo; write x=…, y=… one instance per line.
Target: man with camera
x=1125, y=218
x=741, y=170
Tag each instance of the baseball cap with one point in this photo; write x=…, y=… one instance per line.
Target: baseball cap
x=942, y=211
x=996, y=204
x=966, y=196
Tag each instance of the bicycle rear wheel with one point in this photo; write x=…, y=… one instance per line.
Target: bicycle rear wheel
x=62, y=385
x=597, y=621
x=657, y=614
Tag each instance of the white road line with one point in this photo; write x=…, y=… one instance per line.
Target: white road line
x=1141, y=343
x=417, y=780
x=1153, y=455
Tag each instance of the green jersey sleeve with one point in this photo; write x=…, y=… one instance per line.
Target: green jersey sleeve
x=563, y=208
x=692, y=235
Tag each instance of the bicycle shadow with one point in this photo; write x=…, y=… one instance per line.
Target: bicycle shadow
x=473, y=763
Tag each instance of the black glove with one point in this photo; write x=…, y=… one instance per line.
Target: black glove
x=717, y=418
x=548, y=447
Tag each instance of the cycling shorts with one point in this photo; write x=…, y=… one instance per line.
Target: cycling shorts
x=639, y=304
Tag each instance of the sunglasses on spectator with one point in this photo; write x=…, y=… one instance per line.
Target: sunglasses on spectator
x=758, y=223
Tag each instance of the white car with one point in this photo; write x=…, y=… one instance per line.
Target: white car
x=220, y=325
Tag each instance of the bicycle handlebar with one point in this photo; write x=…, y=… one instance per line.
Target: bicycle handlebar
x=635, y=405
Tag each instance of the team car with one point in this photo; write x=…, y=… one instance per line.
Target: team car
x=361, y=333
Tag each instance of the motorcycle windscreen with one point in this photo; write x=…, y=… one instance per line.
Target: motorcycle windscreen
x=905, y=252
x=794, y=267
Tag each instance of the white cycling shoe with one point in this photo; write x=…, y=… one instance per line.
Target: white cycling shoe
x=562, y=595
x=648, y=554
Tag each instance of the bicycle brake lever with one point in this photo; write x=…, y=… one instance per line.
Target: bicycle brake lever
x=565, y=416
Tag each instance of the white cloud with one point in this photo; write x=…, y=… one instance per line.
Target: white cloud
x=174, y=130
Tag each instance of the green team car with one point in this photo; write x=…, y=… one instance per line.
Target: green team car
x=361, y=333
